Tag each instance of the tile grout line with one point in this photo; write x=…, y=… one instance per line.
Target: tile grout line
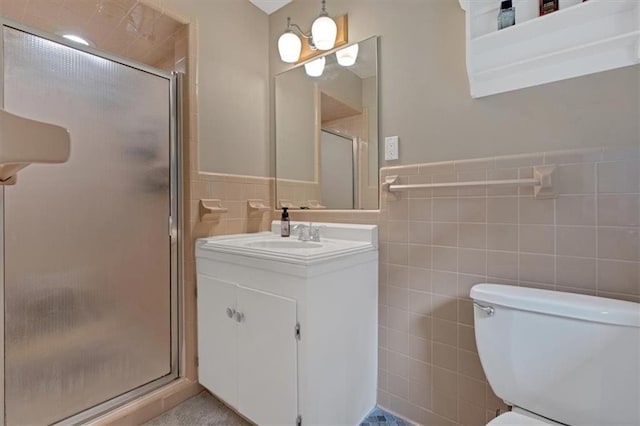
x=486, y=237
x=457, y=377
x=408, y=315
x=432, y=323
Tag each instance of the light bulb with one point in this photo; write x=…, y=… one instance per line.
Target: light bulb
x=289, y=47
x=315, y=68
x=323, y=32
x=347, y=56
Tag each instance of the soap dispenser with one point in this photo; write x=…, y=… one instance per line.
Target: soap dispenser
x=285, y=225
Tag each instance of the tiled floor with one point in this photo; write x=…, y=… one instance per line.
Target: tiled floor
x=201, y=410
x=379, y=417
x=205, y=410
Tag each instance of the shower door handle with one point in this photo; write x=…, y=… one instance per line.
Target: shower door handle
x=231, y=312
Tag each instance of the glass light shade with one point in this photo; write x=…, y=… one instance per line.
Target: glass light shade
x=347, y=56
x=289, y=47
x=315, y=68
x=324, y=31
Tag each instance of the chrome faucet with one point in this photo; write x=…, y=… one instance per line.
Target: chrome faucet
x=303, y=231
x=308, y=232
x=314, y=232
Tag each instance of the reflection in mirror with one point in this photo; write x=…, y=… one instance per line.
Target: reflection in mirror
x=327, y=131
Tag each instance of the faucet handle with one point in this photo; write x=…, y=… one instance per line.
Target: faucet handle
x=314, y=232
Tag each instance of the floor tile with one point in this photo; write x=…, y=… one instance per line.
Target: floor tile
x=206, y=410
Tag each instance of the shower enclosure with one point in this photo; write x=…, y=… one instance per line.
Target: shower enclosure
x=89, y=247
x=338, y=170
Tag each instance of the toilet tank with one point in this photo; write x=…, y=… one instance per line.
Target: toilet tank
x=572, y=358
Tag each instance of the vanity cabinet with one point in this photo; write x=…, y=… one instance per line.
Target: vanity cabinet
x=251, y=334
x=288, y=335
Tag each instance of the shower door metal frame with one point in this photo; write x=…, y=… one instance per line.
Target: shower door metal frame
x=2, y=415
x=175, y=81
x=355, y=161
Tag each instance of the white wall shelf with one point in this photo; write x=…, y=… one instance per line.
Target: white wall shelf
x=579, y=39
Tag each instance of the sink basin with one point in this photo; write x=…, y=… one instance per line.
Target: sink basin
x=337, y=240
x=283, y=244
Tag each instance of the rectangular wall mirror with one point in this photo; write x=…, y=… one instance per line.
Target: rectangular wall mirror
x=327, y=131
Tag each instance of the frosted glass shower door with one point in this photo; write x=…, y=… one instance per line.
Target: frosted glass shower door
x=337, y=171
x=88, y=255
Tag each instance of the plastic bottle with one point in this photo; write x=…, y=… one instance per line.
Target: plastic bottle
x=285, y=225
x=507, y=15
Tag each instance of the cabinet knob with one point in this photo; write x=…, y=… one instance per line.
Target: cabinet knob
x=239, y=316
x=231, y=312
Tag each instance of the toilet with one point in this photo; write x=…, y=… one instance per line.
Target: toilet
x=559, y=358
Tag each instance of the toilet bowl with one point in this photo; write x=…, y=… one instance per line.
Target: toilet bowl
x=559, y=358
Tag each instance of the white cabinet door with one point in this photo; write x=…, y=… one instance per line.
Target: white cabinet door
x=218, y=338
x=268, y=391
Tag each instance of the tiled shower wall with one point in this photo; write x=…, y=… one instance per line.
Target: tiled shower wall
x=436, y=244
x=140, y=30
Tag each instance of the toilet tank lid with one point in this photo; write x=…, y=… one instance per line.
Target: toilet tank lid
x=557, y=303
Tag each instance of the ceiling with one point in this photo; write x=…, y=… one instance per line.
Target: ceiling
x=270, y=6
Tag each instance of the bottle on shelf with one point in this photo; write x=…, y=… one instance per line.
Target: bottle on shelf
x=548, y=6
x=507, y=15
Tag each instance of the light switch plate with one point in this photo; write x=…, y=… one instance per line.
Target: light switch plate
x=391, y=148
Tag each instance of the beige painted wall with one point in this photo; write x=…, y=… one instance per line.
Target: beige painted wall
x=296, y=123
x=343, y=85
x=370, y=100
x=233, y=85
x=425, y=95
x=295, y=102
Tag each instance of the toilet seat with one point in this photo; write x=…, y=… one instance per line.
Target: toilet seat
x=520, y=418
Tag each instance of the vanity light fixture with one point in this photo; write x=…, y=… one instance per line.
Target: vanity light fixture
x=347, y=56
x=289, y=45
x=315, y=68
x=322, y=36
x=324, y=30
